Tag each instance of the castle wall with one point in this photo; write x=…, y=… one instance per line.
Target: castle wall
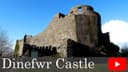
x=58, y=32
x=20, y=49
x=87, y=32
x=82, y=26
x=75, y=26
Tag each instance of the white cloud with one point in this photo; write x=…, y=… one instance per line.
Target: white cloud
x=118, y=30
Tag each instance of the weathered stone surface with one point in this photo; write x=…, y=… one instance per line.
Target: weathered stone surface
x=75, y=34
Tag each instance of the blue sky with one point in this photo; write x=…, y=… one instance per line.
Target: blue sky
x=20, y=17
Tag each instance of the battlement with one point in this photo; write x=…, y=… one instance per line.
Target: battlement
x=71, y=35
x=80, y=9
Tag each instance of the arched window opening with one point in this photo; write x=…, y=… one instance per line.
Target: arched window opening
x=79, y=9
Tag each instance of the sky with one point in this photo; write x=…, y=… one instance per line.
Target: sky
x=20, y=17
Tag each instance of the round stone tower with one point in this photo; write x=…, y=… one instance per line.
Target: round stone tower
x=88, y=25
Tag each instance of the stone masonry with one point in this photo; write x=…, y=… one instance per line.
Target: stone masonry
x=77, y=34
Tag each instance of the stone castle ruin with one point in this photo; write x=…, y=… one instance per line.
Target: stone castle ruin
x=77, y=34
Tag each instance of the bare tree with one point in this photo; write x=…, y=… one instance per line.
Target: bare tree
x=5, y=44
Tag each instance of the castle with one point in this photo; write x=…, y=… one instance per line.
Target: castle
x=77, y=34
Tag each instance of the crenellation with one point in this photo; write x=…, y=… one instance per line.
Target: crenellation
x=77, y=34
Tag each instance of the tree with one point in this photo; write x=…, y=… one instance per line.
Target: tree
x=5, y=44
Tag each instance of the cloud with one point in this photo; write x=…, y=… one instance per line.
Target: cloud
x=118, y=30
